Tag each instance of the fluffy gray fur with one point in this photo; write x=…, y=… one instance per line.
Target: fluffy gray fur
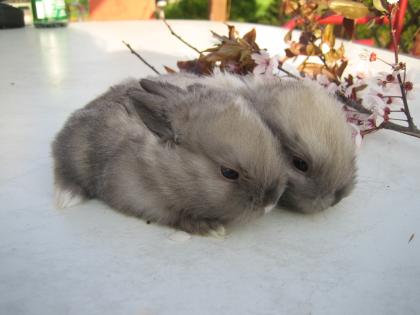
x=309, y=125
x=156, y=151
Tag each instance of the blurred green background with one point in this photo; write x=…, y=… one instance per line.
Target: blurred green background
x=269, y=12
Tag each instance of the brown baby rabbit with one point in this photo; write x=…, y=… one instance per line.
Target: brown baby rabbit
x=311, y=129
x=195, y=159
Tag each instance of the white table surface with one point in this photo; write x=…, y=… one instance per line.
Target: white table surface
x=354, y=258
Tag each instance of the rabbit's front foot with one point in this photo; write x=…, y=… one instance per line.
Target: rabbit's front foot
x=206, y=227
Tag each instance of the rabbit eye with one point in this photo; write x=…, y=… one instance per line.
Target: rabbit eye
x=229, y=173
x=300, y=164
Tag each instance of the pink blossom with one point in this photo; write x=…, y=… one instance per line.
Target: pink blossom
x=374, y=98
x=377, y=117
x=390, y=86
x=372, y=57
x=366, y=55
x=265, y=65
x=357, y=136
x=363, y=69
x=322, y=80
x=332, y=88
x=363, y=121
x=326, y=83
x=347, y=89
x=410, y=84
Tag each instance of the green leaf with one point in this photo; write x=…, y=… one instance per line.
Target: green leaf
x=379, y=6
x=349, y=9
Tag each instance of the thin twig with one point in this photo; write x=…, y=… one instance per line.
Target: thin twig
x=414, y=132
x=368, y=131
x=406, y=130
x=403, y=94
x=180, y=38
x=384, y=61
x=288, y=73
x=140, y=57
x=328, y=68
x=353, y=104
x=398, y=119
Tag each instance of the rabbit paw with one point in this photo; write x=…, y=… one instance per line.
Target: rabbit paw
x=67, y=198
x=219, y=232
x=206, y=227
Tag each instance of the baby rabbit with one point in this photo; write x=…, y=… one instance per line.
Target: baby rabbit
x=310, y=127
x=195, y=159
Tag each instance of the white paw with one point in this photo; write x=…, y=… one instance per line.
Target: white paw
x=65, y=198
x=219, y=232
x=268, y=208
x=179, y=236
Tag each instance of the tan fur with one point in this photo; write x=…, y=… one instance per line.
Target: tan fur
x=156, y=151
x=309, y=124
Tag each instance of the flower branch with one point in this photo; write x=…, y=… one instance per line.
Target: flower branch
x=391, y=16
x=180, y=38
x=368, y=105
x=140, y=57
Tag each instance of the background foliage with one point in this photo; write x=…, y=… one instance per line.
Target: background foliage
x=269, y=12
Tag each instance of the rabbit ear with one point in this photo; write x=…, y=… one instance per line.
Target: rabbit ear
x=153, y=109
x=163, y=89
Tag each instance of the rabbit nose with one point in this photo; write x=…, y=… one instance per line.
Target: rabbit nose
x=338, y=195
x=323, y=203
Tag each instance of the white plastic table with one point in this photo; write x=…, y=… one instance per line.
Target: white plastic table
x=355, y=258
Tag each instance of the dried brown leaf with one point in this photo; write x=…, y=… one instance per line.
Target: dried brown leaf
x=245, y=54
x=332, y=57
x=289, y=7
x=313, y=69
x=169, y=70
x=349, y=9
x=290, y=53
x=225, y=51
x=250, y=37
x=341, y=68
x=411, y=237
x=360, y=87
x=348, y=26
x=220, y=38
x=196, y=66
x=288, y=36
x=340, y=51
x=232, y=31
x=306, y=37
x=328, y=35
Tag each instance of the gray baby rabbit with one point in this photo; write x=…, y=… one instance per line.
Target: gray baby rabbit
x=196, y=160
x=311, y=128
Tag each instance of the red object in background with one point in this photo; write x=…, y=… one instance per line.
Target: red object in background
x=398, y=23
x=336, y=20
x=121, y=9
